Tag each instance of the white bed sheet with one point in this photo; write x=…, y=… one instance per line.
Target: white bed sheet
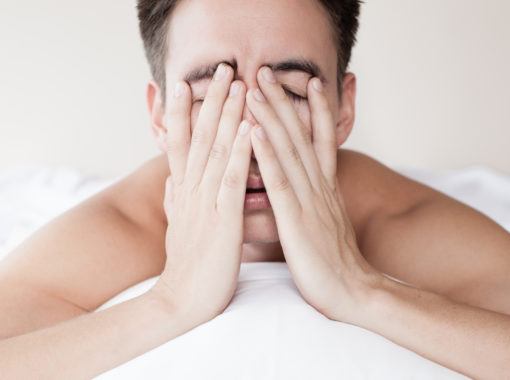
x=268, y=331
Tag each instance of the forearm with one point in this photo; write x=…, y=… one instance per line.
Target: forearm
x=92, y=343
x=469, y=340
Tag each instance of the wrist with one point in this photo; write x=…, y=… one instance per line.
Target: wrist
x=365, y=294
x=382, y=301
x=162, y=299
x=159, y=299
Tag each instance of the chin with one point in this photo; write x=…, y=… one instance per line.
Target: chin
x=260, y=227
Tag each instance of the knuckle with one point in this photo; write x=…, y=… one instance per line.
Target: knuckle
x=173, y=145
x=281, y=184
x=218, y=151
x=293, y=153
x=200, y=136
x=191, y=189
x=305, y=134
x=231, y=180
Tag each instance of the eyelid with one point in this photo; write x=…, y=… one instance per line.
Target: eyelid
x=289, y=93
x=293, y=95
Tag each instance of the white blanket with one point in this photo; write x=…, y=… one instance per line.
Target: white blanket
x=268, y=331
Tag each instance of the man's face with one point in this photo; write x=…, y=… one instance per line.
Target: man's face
x=250, y=34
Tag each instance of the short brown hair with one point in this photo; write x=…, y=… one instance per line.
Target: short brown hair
x=154, y=16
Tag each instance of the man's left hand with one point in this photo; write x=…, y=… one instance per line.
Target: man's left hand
x=300, y=178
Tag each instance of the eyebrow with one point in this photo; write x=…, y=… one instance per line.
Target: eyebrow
x=296, y=64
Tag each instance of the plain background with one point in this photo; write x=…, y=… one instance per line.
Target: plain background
x=433, y=85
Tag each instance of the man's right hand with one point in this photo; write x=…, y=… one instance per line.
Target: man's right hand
x=204, y=198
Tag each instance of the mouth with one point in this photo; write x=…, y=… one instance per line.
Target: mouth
x=255, y=184
x=256, y=197
x=251, y=191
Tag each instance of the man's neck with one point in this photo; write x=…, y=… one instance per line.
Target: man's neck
x=253, y=252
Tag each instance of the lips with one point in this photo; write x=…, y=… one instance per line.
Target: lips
x=255, y=182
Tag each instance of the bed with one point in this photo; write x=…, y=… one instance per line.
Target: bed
x=268, y=331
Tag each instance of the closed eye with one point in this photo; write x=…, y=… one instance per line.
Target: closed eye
x=294, y=96
x=290, y=94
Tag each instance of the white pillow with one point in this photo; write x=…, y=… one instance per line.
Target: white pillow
x=270, y=332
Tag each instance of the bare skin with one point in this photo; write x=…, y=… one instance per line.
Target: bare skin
x=457, y=259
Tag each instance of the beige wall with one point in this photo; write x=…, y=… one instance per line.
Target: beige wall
x=433, y=84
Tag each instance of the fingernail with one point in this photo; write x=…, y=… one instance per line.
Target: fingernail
x=317, y=84
x=179, y=89
x=259, y=96
x=268, y=75
x=234, y=89
x=260, y=133
x=244, y=128
x=220, y=71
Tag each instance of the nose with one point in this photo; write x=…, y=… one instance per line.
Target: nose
x=250, y=82
x=249, y=78
x=247, y=115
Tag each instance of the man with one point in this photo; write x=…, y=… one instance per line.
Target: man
x=279, y=106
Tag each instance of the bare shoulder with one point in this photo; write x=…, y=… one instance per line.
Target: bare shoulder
x=140, y=195
x=370, y=188
x=424, y=237
x=88, y=254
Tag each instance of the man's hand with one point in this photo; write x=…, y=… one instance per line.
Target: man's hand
x=320, y=247
x=316, y=235
x=204, y=199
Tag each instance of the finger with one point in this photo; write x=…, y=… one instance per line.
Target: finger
x=300, y=134
x=284, y=148
x=323, y=126
x=220, y=151
x=169, y=195
x=207, y=124
x=178, y=126
x=233, y=185
x=278, y=187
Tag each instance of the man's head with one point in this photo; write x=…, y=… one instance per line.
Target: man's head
x=299, y=39
x=154, y=18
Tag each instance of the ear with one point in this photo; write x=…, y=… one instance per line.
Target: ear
x=157, y=112
x=346, y=110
